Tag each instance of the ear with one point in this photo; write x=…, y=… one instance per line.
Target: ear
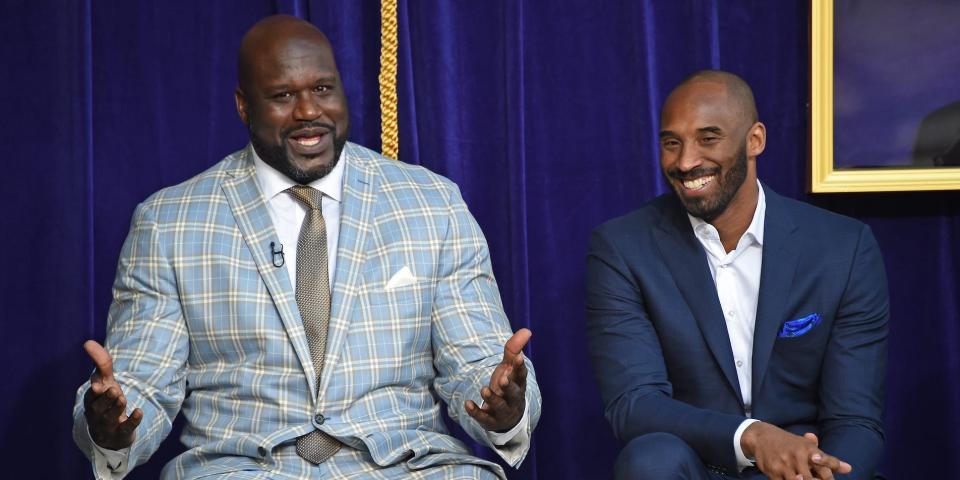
x=756, y=139
x=241, y=105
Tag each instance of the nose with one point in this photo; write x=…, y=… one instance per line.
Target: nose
x=307, y=107
x=689, y=158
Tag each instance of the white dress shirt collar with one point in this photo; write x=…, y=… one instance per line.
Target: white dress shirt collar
x=272, y=182
x=287, y=214
x=754, y=232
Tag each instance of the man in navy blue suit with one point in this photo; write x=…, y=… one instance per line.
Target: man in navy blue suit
x=735, y=333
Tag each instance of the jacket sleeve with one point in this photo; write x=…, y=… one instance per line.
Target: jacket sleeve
x=147, y=338
x=629, y=368
x=855, y=365
x=469, y=327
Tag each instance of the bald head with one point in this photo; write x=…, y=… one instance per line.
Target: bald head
x=267, y=36
x=738, y=93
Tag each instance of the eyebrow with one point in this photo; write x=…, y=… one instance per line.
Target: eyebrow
x=710, y=129
x=325, y=78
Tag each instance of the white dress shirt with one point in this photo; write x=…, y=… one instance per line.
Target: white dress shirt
x=287, y=215
x=736, y=275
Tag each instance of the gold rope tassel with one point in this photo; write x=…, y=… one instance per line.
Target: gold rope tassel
x=389, y=133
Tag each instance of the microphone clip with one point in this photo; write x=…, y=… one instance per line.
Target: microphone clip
x=276, y=254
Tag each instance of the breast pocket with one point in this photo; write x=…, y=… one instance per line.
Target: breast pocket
x=389, y=338
x=394, y=292
x=798, y=351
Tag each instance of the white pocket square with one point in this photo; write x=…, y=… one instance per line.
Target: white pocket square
x=402, y=278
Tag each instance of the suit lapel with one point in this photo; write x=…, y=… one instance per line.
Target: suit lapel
x=779, y=265
x=253, y=219
x=687, y=262
x=356, y=223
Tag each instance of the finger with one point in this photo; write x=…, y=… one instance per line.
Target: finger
x=499, y=378
x=515, y=344
x=131, y=423
x=97, y=387
x=802, y=467
x=482, y=417
x=117, y=409
x=108, y=400
x=101, y=358
x=100, y=390
x=823, y=473
x=503, y=382
x=93, y=393
x=831, y=462
x=506, y=378
x=513, y=391
x=492, y=403
x=103, y=401
x=514, y=401
x=490, y=399
x=812, y=437
x=519, y=370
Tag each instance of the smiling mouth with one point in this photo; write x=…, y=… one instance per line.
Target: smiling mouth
x=698, y=183
x=308, y=141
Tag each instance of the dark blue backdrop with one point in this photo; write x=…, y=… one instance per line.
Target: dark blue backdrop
x=544, y=112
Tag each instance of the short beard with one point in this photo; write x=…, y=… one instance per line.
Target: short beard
x=708, y=209
x=277, y=157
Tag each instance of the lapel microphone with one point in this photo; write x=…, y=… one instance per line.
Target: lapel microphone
x=276, y=254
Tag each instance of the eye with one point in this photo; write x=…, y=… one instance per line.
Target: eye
x=710, y=139
x=669, y=143
x=322, y=88
x=282, y=96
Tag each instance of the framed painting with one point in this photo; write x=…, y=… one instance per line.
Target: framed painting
x=884, y=95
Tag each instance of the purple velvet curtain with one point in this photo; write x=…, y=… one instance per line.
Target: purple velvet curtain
x=544, y=112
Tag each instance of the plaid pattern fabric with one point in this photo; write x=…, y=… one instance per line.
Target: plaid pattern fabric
x=203, y=323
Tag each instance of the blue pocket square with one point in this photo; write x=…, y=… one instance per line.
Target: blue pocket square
x=795, y=328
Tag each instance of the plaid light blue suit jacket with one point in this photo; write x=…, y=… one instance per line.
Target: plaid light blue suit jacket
x=203, y=322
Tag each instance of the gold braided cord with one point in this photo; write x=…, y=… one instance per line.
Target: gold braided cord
x=389, y=133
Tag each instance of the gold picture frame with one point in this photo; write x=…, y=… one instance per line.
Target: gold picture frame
x=824, y=176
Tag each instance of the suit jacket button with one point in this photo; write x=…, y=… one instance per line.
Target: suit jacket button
x=318, y=419
x=262, y=451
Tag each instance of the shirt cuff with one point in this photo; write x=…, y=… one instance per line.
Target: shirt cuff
x=512, y=446
x=109, y=463
x=742, y=460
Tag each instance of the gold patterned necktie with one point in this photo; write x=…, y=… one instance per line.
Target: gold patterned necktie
x=313, y=301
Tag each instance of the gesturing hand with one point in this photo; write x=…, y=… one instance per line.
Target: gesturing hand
x=105, y=406
x=505, y=397
x=783, y=455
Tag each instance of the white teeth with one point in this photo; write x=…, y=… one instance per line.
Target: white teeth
x=697, y=183
x=308, y=141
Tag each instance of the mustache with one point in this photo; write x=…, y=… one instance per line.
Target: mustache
x=287, y=132
x=675, y=173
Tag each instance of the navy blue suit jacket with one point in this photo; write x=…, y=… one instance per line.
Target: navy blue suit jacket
x=662, y=357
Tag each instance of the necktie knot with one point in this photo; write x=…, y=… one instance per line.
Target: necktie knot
x=308, y=196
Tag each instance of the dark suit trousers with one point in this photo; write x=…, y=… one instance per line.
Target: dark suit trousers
x=666, y=456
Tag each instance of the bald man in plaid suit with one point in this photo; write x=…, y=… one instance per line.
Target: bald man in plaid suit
x=209, y=310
